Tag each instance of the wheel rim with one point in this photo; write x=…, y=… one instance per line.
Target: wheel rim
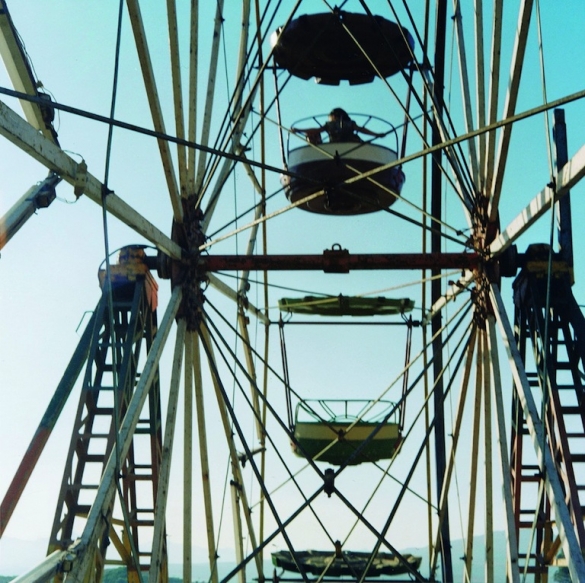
x=287, y=228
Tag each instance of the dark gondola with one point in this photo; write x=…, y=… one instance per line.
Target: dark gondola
x=329, y=47
x=348, y=564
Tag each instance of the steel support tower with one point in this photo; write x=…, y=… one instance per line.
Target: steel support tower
x=550, y=332
x=122, y=334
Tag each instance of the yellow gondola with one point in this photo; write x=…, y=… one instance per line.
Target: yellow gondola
x=349, y=431
x=345, y=306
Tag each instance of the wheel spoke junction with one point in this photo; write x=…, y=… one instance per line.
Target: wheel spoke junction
x=332, y=208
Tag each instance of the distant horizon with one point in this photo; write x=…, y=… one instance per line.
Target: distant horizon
x=201, y=567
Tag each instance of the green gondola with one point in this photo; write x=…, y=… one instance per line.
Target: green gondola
x=346, y=306
x=333, y=431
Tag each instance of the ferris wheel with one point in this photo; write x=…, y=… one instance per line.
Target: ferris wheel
x=333, y=333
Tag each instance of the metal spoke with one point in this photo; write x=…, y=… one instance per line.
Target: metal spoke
x=494, y=90
x=38, y=196
x=433, y=453
x=204, y=457
x=19, y=70
x=177, y=94
x=510, y=106
x=480, y=90
x=154, y=103
x=164, y=478
x=511, y=538
x=467, y=106
x=213, y=59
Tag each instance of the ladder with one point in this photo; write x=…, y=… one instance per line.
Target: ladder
x=122, y=336
x=555, y=367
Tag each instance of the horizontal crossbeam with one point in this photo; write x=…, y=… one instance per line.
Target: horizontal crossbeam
x=339, y=262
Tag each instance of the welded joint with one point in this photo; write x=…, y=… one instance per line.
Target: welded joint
x=329, y=482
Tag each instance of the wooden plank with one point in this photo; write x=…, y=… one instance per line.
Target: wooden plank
x=19, y=71
x=570, y=175
x=28, y=139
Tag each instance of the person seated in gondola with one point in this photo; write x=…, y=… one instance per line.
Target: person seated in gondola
x=339, y=127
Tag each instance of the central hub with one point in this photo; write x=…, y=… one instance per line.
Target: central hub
x=186, y=272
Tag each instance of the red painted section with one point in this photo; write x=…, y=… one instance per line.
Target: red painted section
x=20, y=480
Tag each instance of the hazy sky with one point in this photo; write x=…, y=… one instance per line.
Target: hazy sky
x=48, y=272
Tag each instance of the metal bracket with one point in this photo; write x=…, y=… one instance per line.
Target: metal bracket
x=335, y=259
x=80, y=179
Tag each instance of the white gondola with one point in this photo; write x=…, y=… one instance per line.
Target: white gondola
x=334, y=168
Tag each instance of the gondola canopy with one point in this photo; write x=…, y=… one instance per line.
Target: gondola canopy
x=342, y=46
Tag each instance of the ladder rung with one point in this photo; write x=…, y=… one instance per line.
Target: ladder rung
x=141, y=522
x=144, y=510
x=571, y=410
x=104, y=411
x=83, y=487
x=92, y=458
x=139, y=477
x=563, y=365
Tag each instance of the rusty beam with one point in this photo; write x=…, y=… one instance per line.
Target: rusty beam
x=339, y=262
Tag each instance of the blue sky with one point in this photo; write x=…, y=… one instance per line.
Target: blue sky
x=48, y=273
